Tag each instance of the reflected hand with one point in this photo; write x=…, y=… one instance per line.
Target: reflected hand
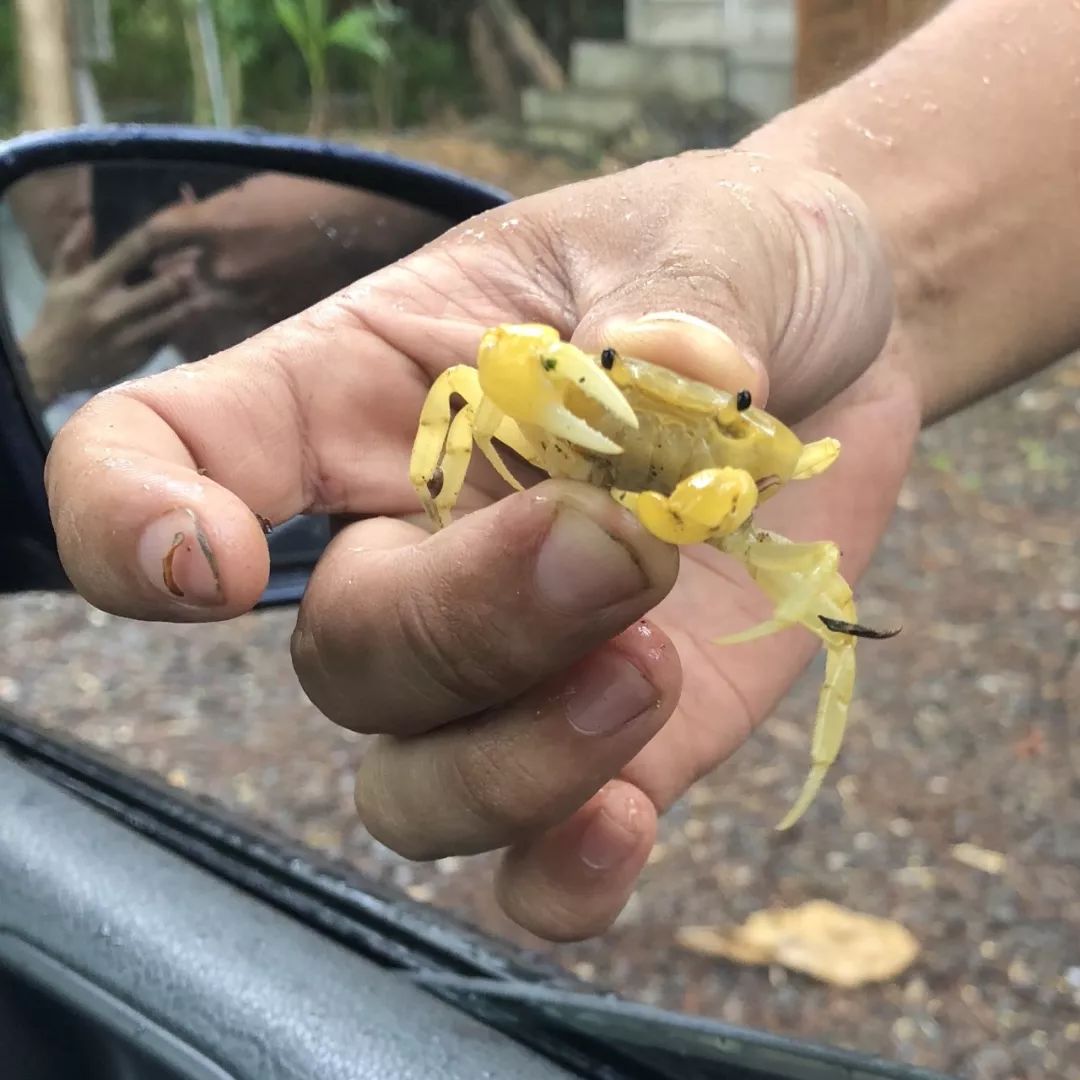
x=539, y=674
x=93, y=328
x=277, y=243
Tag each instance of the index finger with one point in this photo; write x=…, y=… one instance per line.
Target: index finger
x=141, y=244
x=154, y=486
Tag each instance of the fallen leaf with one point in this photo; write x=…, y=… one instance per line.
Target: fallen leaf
x=819, y=938
x=978, y=858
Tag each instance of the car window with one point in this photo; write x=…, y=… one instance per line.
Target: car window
x=946, y=834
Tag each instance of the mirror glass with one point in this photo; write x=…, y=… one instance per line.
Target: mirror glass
x=115, y=270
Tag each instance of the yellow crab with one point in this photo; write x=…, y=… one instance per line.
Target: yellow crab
x=690, y=461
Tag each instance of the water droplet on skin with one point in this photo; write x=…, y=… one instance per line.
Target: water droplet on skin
x=510, y=223
x=882, y=140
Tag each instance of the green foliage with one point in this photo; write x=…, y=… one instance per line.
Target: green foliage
x=9, y=72
x=411, y=60
x=432, y=74
x=361, y=30
x=150, y=79
x=247, y=28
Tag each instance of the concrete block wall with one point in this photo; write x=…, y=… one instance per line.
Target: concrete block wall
x=697, y=51
x=690, y=74
x=713, y=23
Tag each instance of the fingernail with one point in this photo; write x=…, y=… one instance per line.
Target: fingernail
x=609, y=692
x=690, y=345
x=581, y=568
x=611, y=837
x=175, y=556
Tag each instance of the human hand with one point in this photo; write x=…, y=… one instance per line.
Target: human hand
x=539, y=674
x=276, y=243
x=93, y=327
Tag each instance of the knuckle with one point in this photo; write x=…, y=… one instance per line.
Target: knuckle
x=379, y=809
x=458, y=647
x=497, y=794
x=549, y=913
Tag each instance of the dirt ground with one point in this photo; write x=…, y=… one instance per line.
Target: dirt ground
x=964, y=732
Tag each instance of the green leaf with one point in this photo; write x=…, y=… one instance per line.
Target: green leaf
x=361, y=29
x=358, y=30
x=290, y=16
x=316, y=19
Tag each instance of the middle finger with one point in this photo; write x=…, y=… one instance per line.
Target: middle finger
x=512, y=772
x=404, y=639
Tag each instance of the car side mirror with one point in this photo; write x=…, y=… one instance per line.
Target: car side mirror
x=129, y=250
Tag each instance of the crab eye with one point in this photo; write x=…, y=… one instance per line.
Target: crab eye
x=743, y=401
x=608, y=358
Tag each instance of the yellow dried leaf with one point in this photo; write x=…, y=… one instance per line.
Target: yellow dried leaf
x=978, y=858
x=708, y=941
x=819, y=938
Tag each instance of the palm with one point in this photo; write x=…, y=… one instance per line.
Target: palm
x=417, y=325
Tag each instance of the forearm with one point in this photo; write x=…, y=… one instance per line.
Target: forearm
x=964, y=141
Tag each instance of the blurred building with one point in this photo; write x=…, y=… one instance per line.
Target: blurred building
x=702, y=72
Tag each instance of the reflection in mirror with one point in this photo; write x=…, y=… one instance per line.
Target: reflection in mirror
x=116, y=270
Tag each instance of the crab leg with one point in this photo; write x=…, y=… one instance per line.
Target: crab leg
x=443, y=445
x=815, y=458
x=805, y=583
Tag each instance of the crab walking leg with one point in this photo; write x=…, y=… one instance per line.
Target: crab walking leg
x=804, y=582
x=492, y=424
x=710, y=502
x=431, y=447
x=798, y=578
x=815, y=458
x=455, y=464
x=829, y=724
x=443, y=444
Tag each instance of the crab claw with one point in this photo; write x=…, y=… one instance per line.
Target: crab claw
x=535, y=378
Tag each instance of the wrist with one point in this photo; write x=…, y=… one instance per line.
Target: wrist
x=39, y=354
x=973, y=194
x=811, y=136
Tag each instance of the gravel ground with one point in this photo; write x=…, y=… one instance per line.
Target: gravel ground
x=966, y=729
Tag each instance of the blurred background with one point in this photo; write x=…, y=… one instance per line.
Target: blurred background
x=953, y=814
x=604, y=82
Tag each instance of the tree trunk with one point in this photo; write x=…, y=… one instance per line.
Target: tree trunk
x=384, y=95
x=210, y=49
x=524, y=42
x=490, y=66
x=202, y=109
x=46, y=85
x=234, y=81
x=320, y=104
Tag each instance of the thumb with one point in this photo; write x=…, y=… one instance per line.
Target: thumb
x=774, y=281
x=685, y=343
